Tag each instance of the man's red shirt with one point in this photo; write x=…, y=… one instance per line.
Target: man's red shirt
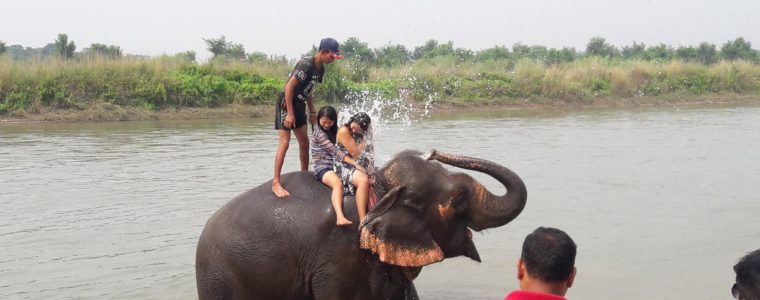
x=529, y=295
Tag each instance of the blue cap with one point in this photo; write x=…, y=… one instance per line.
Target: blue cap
x=332, y=45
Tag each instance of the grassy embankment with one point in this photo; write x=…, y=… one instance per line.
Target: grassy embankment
x=132, y=89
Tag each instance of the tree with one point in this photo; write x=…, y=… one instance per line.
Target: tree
x=660, y=52
x=353, y=48
x=188, y=56
x=257, y=56
x=217, y=46
x=464, y=54
x=358, y=58
x=706, y=53
x=598, y=46
x=539, y=53
x=222, y=48
x=18, y=52
x=98, y=49
x=520, y=51
x=392, y=55
x=542, y=54
x=687, y=54
x=495, y=53
x=634, y=51
x=47, y=51
x=236, y=51
x=738, y=49
x=3, y=48
x=433, y=49
x=182, y=57
x=422, y=51
x=63, y=47
x=563, y=55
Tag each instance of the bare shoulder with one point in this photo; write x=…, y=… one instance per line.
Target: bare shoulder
x=343, y=133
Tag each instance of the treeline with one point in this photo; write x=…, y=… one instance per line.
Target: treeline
x=65, y=78
x=707, y=53
x=63, y=48
x=392, y=55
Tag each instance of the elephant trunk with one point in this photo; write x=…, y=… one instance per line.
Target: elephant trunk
x=486, y=209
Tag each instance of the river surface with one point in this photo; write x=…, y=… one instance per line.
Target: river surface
x=661, y=202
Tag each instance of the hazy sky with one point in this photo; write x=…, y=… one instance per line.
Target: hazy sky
x=291, y=27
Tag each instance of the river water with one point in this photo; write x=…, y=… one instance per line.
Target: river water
x=661, y=202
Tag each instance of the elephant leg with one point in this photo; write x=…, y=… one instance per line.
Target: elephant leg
x=411, y=292
x=333, y=285
x=370, y=281
x=214, y=285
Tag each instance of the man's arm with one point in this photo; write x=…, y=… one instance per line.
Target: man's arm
x=312, y=112
x=290, y=119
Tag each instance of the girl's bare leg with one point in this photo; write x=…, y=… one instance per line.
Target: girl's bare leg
x=331, y=179
x=361, y=182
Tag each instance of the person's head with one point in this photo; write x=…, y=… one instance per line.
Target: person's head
x=547, y=262
x=747, y=286
x=329, y=50
x=327, y=117
x=359, y=124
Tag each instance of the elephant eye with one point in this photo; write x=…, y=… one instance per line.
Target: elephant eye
x=460, y=202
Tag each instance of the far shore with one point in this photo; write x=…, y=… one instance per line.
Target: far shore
x=104, y=112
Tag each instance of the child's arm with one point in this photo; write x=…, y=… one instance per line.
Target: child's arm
x=344, y=137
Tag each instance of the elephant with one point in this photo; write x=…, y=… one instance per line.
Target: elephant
x=258, y=246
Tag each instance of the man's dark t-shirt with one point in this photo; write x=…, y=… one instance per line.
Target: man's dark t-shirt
x=307, y=75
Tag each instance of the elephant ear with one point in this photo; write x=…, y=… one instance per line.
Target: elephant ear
x=397, y=233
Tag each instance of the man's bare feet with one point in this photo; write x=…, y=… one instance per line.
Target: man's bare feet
x=279, y=191
x=343, y=221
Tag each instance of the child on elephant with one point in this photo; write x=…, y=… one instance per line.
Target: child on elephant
x=290, y=111
x=324, y=153
x=352, y=141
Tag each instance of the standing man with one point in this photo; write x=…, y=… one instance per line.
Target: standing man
x=290, y=113
x=546, y=268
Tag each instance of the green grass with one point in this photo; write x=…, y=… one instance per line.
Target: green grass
x=173, y=82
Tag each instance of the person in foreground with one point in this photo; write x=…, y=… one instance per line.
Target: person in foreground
x=747, y=286
x=290, y=111
x=324, y=153
x=546, y=268
x=352, y=142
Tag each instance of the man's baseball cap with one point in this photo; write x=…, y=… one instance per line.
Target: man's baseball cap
x=332, y=45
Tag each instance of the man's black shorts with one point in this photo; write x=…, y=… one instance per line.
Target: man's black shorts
x=280, y=112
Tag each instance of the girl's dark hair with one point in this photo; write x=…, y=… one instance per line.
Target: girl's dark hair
x=362, y=119
x=332, y=114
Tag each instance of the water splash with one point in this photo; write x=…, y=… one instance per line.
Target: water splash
x=390, y=117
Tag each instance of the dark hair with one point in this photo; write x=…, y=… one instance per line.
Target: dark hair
x=332, y=114
x=748, y=275
x=549, y=254
x=362, y=119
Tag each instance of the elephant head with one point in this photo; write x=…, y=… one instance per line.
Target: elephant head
x=426, y=211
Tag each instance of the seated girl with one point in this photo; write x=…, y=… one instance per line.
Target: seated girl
x=352, y=141
x=324, y=153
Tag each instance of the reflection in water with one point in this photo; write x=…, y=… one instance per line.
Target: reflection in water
x=114, y=210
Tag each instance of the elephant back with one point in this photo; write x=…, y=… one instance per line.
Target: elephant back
x=256, y=233
x=257, y=216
